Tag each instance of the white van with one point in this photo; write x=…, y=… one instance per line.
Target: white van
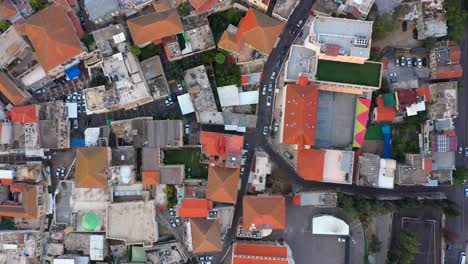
x=462, y=258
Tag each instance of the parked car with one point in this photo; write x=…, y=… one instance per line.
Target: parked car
x=201, y=258
x=82, y=19
x=172, y=211
x=187, y=129
x=283, y=50
x=397, y=62
x=276, y=127
x=278, y=62
x=265, y=130
x=466, y=152
x=424, y=62
x=340, y=239
x=57, y=172
x=409, y=62
x=393, y=77
x=75, y=123
x=173, y=223
x=404, y=26
x=415, y=62
x=270, y=87
x=420, y=64
x=460, y=150
x=268, y=100
x=462, y=258
x=273, y=74
x=288, y=155
x=264, y=89
x=299, y=24
x=177, y=220
x=213, y=214
x=179, y=87
x=466, y=192
x=402, y=61
x=449, y=247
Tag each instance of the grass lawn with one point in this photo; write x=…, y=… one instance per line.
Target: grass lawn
x=374, y=133
x=340, y=72
x=191, y=158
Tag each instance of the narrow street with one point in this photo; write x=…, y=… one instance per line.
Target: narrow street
x=455, y=194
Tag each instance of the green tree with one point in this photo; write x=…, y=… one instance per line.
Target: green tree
x=208, y=57
x=375, y=244
x=98, y=81
x=456, y=17
x=135, y=50
x=4, y=25
x=460, y=175
x=220, y=58
x=408, y=247
x=37, y=4
x=183, y=9
x=88, y=40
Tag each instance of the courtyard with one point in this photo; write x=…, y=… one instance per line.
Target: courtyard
x=367, y=74
x=190, y=157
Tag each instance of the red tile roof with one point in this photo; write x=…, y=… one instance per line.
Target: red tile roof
x=53, y=37
x=455, y=52
x=91, y=167
x=220, y=146
x=24, y=114
x=300, y=115
x=424, y=91
x=245, y=253
x=7, y=9
x=407, y=97
x=11, y=91
x=222, y=184
x=310, y=163
x=427, y=165
x=76, y=24
x=256, y=30
x=449, y=72
x=384, y=114
x=155, y=26
x=151, y=178
x=206, y=236
x=202, y=5
x=193, y=208
x=264, y=212
x=28, y=207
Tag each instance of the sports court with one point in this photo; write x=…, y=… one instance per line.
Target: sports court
x=425, y=230
x=335, y=119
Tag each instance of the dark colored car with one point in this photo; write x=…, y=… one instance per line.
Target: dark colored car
x=404, y=26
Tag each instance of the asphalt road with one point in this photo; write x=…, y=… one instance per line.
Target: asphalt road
x=455, y=194
x=255, y=138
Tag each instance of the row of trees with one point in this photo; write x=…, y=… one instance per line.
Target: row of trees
x=403, y=252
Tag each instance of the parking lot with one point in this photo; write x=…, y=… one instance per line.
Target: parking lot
x=402, y=76
x=324, y=249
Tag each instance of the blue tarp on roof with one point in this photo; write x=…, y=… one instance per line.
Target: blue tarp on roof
x=72, y=72
x=387, y=134
x=77, y=142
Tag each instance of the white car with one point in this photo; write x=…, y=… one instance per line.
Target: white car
x=419, y=63
x=268, y=100
x=342, y=240
x=265, y=130
x=264, y=89
x=273, y=75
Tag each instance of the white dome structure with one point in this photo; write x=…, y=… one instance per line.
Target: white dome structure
x=329, y=225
